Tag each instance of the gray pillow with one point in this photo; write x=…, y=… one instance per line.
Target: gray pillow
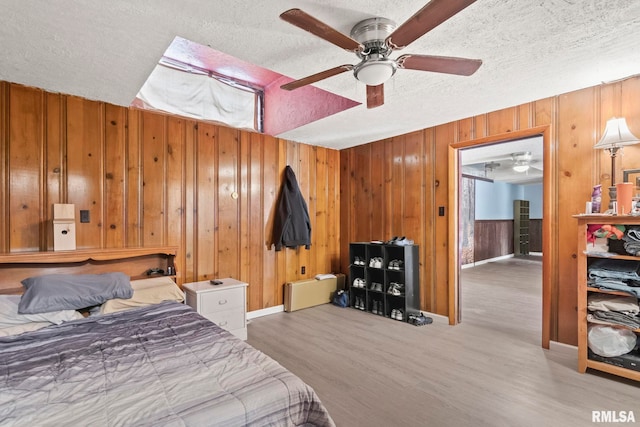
x=72, y=291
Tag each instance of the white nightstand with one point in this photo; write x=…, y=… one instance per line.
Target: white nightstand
x=225, y=304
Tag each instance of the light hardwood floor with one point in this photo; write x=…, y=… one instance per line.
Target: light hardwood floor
x=488, y=371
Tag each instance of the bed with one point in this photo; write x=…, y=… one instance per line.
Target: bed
x=155, y=364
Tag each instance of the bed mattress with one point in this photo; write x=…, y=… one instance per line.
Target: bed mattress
x=157, y=365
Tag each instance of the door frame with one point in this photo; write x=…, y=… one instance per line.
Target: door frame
x=549, y=209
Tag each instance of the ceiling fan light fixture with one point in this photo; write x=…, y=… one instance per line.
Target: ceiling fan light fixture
x=374, y=72
x=521, y=167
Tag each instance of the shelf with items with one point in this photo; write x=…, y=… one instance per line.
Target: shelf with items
x=383, y=279
x=626, y=365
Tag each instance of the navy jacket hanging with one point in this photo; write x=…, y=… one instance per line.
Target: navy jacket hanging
x=291, y=225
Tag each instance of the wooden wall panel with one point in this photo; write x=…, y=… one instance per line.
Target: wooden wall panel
x=206, y=215
x=492, y=239
x=154, y=149
x=389, y=184
x=334, y=205
x=575, y=132
x=346, y=205
x=187, y=258
x=502, y=121
x=85, y=168
x=228, y=222
x=175, y=223
x=4, y=155
x=24, y=158
x=115, y=177
x=440, y=299
x=270, y=187
x=535, y=235
x=361, y=194
x=412, y=219
x=321, y=260
x=134, y=178
x=378, y=193
x=256, y=239
x=55, y=191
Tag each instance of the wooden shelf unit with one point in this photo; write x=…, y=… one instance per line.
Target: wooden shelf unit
x=521, y=227
x=583, y=292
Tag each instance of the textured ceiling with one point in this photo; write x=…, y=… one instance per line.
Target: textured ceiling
x=104, y=50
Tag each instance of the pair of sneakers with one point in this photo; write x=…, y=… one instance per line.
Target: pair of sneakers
x=395, y=264
x=359, y=283
x=359, y=304
x=397, y=314
x=358, y=261
x=375, y=262
x=396, y=289
x=419, y=320
x=376, y=287
x=377, y=307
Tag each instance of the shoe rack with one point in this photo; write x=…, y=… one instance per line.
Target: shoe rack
x=384, y=279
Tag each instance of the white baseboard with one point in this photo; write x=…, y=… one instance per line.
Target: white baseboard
x=265, y=312
x=485, y=261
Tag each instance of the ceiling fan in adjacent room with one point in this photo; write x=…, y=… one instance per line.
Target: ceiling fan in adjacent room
x=374, y=39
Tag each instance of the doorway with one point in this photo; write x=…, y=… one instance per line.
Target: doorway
x=500, y=231
x=455, y=202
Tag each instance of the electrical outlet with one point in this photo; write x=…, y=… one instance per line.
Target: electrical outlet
x=84, y=215
x=303, y=269
x=441, y=211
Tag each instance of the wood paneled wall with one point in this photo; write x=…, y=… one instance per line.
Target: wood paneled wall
x=396, y=186
x=492, y=238
x=150, y=179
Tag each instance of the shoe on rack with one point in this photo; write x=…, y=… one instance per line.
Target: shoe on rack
x=396, y=289
x=390, y=241
x=399, y=264
x=393, y=313
x=399, y=315
x=403, y=241
x=392, y=264
x=374, y=309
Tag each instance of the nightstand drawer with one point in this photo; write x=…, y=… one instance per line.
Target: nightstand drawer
x=212, y=302
x=229, y=320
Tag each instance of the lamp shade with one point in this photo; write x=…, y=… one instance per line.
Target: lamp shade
x=521, y=167
x=374, y=72
x=615, y=135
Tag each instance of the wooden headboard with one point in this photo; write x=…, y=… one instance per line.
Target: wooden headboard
x=134, y=262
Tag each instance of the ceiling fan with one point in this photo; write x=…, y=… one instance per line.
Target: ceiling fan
x=374, y=39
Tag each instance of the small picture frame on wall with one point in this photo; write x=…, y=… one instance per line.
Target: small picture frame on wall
x=631, y=175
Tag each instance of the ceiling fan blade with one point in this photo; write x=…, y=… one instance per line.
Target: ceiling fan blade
x=375, y=96
x=317, y=77
x=439, y=64
x=426, y=19
x=316, y=27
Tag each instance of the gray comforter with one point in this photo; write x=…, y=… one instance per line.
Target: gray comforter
x=161, y=365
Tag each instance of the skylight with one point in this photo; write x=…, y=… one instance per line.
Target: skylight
x=196, y=81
